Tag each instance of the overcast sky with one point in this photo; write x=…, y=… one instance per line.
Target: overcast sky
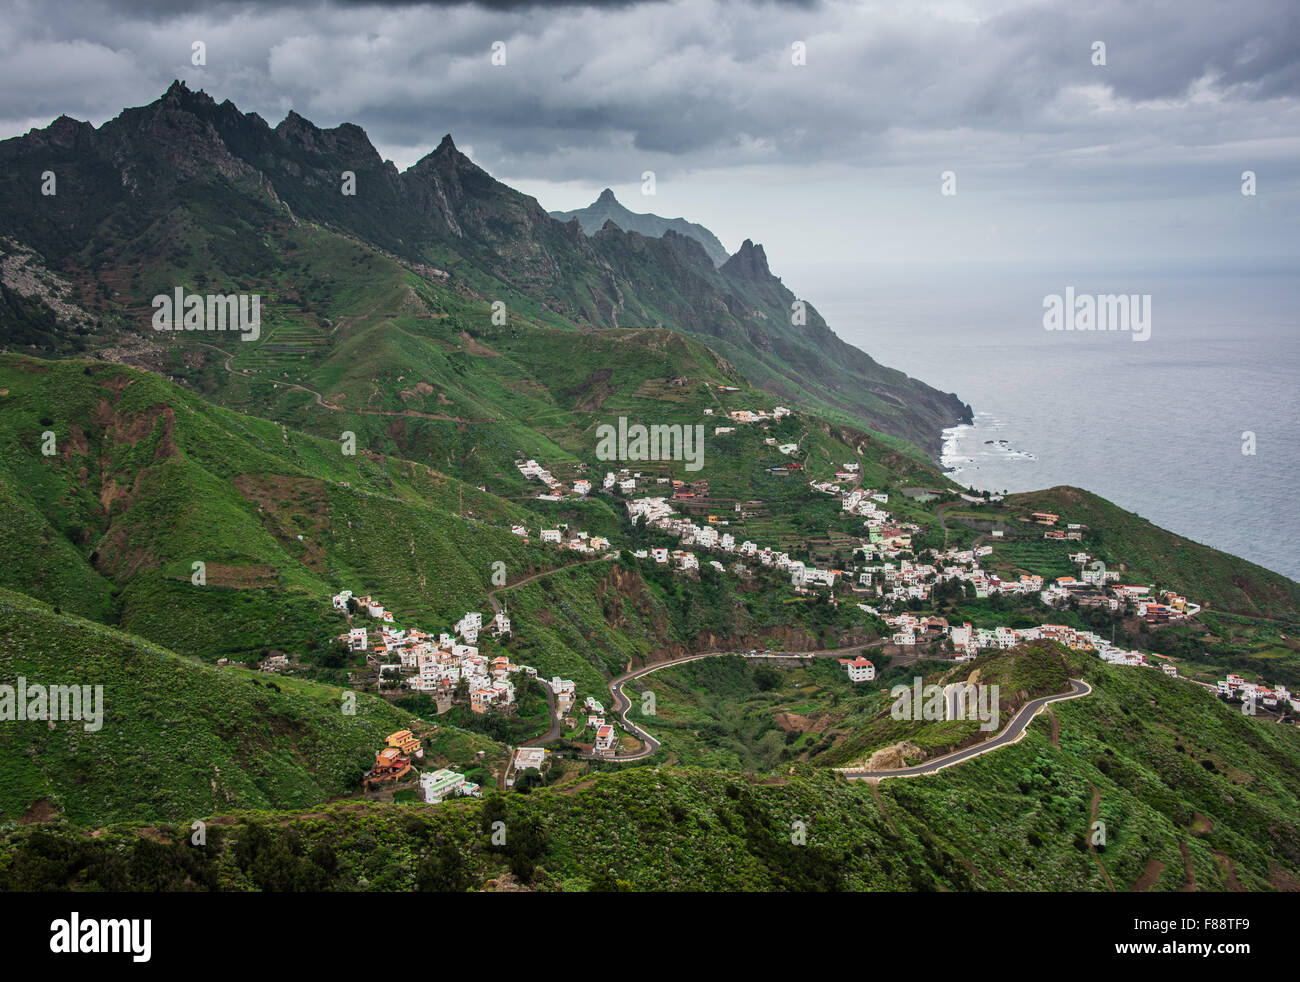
x=1055, y=157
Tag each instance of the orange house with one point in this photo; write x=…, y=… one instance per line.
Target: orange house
x=406, y=742
x=390, y=765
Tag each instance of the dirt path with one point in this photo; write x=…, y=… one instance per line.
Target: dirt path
x=1188, y=869
x=1150, y=873
x=1056, y=732
x=578, y=786
x=880, y=803
x=1092, y=850
x=1229, y=874
x=938, y=511
x=492, y=594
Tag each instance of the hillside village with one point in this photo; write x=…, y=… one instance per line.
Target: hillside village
x=441, y=666
x=884, y=580
x=395, y=762
x=436, y=666
x=890, y=573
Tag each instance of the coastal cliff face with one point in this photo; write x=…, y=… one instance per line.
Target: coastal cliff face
x=189, y=183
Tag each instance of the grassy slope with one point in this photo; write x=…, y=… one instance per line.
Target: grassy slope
x=1150, y=553
x=180, y=740
x=1015, y=819
x=148, y=479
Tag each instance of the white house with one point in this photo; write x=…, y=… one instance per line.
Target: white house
x=445, y=783
x=530, y=757
x=604, y=739
x=469, y=626
x=860, y=670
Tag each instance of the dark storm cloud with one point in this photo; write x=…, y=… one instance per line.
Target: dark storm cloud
x=712, y=79
x=178, y=7
x=1003, y=90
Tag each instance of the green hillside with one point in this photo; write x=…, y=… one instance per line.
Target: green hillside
x=147, y=480
x=1191, y=794
x=220, y=201
x=179, y=740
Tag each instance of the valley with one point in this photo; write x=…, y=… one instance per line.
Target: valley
x=430, y=516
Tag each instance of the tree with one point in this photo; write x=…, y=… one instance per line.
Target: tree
x=335, y=655
x=443, y=871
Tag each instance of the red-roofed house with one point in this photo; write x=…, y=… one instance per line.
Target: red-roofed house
x=860, y=670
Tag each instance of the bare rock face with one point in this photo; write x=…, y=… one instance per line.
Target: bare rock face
x=903, y=754
x=749, y=263
x=187, y=161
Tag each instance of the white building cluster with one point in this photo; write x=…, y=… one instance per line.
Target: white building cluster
x=566, y=538
x=435, y=665
x=657, y=513
x=1236, y=687
x=534, y=471
x=747, y=416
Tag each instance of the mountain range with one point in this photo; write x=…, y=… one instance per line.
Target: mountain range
x=607, y=208
x=186, y=189
x=421, y=341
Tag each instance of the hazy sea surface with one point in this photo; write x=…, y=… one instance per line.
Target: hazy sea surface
x=1155, y=426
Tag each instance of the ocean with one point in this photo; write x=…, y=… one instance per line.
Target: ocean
x=1156, y=426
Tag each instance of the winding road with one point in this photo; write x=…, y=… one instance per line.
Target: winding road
x=1013, y=732
x=651, y=746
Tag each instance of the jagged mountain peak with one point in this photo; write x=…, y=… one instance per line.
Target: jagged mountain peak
x=607, y=207
x=226, y=169
x=749, y=262
x=180, y=94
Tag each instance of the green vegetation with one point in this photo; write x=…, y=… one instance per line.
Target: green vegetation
x=1189, y=791
x=205, y=506
x=179, y=740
